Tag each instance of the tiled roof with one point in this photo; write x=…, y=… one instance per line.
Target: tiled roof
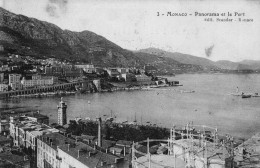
x=87, y=155
x=56, y=139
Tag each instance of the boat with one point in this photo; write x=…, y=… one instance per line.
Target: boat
x=246, y=96
x=187, y=91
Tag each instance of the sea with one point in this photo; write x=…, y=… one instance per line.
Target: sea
x=204, y=100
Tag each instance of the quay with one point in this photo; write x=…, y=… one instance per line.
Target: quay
x=8, y=94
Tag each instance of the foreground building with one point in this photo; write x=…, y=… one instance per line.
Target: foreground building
x=60, y=151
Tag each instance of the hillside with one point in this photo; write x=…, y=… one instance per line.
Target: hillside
x=29, y=36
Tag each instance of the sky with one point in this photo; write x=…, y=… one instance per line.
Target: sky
x=134, y=24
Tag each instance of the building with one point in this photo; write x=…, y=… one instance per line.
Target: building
x=1, y=77
x=128, y=77
x=88, y=68
x=38, y=80
x=4, y=68
x=113, y=72
x=25, y=130
x=39, y=118
x=62, y=114
x=47, y=150
x=14, y=78
x=142, y=78
x=3, y=87
x=15, y=81
x=81, y=155
x=19, y=126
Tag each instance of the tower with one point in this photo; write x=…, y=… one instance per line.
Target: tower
x=62, y=115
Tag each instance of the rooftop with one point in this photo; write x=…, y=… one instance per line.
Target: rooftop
x=56, y=139
x=88, y=155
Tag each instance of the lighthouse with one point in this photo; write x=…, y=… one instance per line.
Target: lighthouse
x=62, y=114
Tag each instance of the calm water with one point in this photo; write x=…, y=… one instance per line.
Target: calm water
x=210, y=105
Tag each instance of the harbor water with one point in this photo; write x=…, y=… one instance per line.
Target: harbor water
x=211, y=104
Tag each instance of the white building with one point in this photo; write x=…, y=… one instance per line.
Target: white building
x=14, y=78
x=15, y=81
x=88, y=68
x=38, y=80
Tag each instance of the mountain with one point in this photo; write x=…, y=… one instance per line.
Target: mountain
x=254, y=64
x=28, y=36
x=204, y=63
x=182, y=58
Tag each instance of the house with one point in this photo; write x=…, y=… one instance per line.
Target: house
x=87, y=138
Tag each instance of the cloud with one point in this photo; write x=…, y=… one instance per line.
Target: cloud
x=56, y=8
x=208, y=50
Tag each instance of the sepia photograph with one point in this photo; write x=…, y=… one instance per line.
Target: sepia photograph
x=129, y=84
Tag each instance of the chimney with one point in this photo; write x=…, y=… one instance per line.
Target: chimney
x=99, y=132
x=124, y=150
x=68, y=147
x=113, y=151
x=89, y=154
x=78, y=153
x=106, y=150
